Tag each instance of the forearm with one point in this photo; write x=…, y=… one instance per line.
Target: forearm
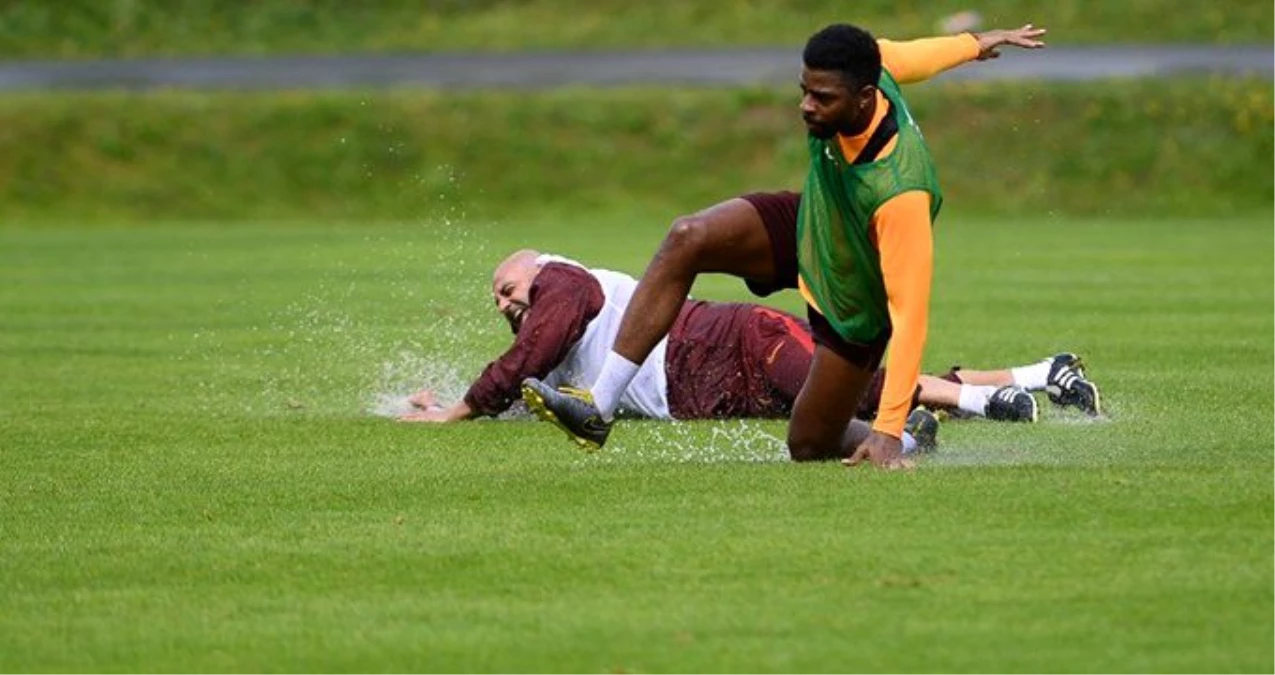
x=903, y=368
x=457, y=412
x=917, y=60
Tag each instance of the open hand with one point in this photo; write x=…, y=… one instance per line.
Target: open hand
x=883, y=450
x=990, y=41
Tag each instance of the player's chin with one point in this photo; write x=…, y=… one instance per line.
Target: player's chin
x=820, y=131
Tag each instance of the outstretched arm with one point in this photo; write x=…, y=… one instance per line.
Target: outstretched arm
x=917, y=60
x=563, y=300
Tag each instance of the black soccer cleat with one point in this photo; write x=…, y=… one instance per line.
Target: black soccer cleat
x=569, y=409
x=924, y=427
x=1068, y=387
x=1012, y=404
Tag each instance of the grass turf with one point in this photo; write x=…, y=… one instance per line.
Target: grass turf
x=193, y=480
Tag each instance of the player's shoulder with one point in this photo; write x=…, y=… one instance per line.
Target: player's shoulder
x=565, y=278
x=562, y=272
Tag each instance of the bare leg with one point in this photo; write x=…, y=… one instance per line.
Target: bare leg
x=988, y=378
x=727, y=237
x=939, y=393
x=822, y=427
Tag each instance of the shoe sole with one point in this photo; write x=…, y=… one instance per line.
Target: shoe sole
x=1093, y=411
x=1097, y=402
x=1079, y=365
x=536, y=403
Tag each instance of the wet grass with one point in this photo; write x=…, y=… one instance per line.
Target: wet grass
x=194, y=479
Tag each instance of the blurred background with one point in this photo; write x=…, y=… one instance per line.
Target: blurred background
x=119, y=143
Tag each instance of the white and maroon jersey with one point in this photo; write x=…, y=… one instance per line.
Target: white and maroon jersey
x=647, y=394
x=573, y=316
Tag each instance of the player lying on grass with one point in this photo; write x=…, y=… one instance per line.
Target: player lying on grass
x=721, y=360
x=856, y=243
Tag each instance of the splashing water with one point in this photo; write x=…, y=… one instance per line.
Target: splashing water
x=326, y=350
x=696, y=443
x=408, y=373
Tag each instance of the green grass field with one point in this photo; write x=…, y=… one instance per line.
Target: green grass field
x=195, y=480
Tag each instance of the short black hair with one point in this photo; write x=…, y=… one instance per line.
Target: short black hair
x=848, y=49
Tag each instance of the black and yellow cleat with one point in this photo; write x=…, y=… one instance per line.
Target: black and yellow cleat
x=569, y=409
x=1067, y=385
x=924, y=427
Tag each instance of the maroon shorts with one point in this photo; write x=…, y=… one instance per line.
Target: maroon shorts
x=778, y=211
x=735, y=360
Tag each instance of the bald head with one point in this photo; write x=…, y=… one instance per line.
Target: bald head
x=511, y=285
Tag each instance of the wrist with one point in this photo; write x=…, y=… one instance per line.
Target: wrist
x=888, y=430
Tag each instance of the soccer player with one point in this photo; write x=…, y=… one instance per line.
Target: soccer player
x=857, y=243
x=720, y=360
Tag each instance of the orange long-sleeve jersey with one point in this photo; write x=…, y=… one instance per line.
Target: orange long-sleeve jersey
x=901, y=231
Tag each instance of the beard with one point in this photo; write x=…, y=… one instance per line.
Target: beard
x=820, y=130
x=514, y=317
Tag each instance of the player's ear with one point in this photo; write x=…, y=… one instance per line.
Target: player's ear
x=866, y=95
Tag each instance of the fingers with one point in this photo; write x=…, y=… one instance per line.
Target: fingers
x=880, y=460
x=1026, y=37
x=857, y=458
x=895, y=464
x=423, y=399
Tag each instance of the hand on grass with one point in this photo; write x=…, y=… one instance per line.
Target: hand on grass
x=883, y=450
x=990, y=41
x=435, y=414
x=424, y=399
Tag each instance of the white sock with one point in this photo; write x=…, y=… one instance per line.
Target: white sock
x=617, y=373
x=1033, y=377
x=909, y=443
x=974, y=398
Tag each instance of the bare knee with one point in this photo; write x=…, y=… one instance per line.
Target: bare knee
x=687, y=238
x=808, y=447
